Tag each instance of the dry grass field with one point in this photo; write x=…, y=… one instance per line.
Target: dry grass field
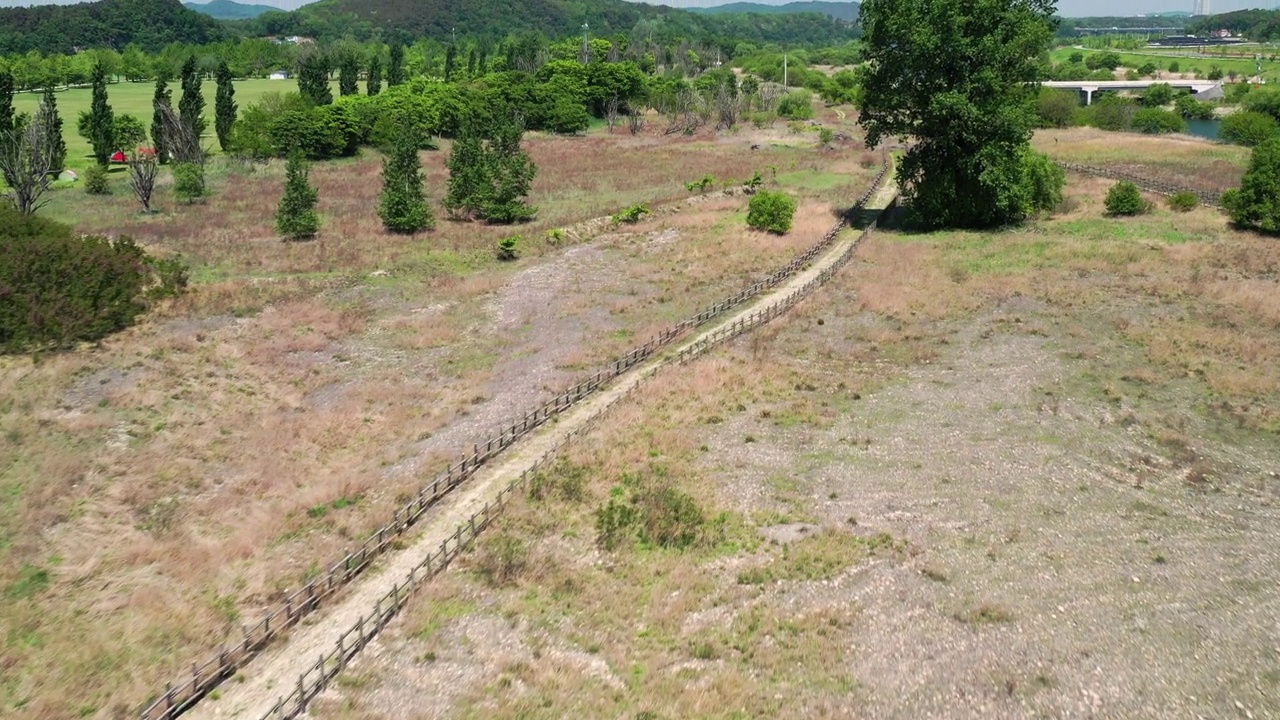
x=1180, y=160
x=1022, y=474
x=158, y=489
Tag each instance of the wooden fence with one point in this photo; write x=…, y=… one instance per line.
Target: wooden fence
x=1156, y=186
x=177, y=697
x=315, y=679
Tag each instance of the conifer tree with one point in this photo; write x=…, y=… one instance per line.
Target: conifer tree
x=51, y=121
x=224, y=107
x=296, y=217
x=402, y=206
x=395, y=71
x=313, y=79
x=163, y=98
x=468, y=176
x=101, y=123
x=349, y=74
x=191, y=104
x=6, y=102
x=511, y=173
x=374, y=84
x=450, y=63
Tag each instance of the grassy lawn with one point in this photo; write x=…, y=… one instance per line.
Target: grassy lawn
x=128, y=98
x=1188, y=64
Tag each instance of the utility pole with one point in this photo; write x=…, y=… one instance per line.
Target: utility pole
x=586, y=48
x=784, y=71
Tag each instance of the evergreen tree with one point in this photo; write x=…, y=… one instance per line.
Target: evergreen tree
x=51, y=121
x=313, y=79
x=374, y=84
x=450, y=63
x=163, y=98
x=471, y=63
x=349, y=75
x=402, y=206
x=511, y=173
x=6, y=103
x=224, y=107
x=191, y=104
x=395, y=70
x=101, y=122
x=468, y=176
x=296, y=216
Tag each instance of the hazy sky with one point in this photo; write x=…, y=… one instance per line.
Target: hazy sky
x=1072, y=8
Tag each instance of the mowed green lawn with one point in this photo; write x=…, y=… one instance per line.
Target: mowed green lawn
x=1187, y=63
x=128, y=98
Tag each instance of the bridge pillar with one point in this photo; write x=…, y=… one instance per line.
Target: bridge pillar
x=1088, y=95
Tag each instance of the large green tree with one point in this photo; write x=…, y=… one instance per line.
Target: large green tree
x=313, y=79
x=6, y=102
x=1256, y=204
x=957, y=79
x=100, y=126
x=51, y=121
x=163, y=98
x=402, y=205
x=349, y=74
x=224, y=107
x=395, y=70
x=373, y=85
x=191, y=104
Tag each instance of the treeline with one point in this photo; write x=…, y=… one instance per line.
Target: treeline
x=1258, y=25
x=408, y=20
x=1071, y=27
x=65, y=29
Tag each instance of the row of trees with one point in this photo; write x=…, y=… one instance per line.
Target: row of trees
x=490, y=176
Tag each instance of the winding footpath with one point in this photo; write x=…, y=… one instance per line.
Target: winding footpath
x=256, y=690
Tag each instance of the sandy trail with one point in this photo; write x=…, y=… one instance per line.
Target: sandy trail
x=275, y=672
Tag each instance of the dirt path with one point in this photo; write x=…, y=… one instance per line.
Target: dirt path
x=271, y=675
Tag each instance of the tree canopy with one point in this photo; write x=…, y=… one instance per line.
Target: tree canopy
x=957, y=78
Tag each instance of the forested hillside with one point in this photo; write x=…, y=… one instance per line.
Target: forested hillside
x=229, y=10
x=847, y=11
x=439, y=19
x=151, y=24
x=1262, y=25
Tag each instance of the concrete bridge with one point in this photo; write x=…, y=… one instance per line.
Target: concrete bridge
x=1089, y=87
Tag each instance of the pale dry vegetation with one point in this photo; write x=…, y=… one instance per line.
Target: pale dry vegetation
x=158, y=490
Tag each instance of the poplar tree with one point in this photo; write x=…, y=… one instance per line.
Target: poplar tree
x=191, y=104
x=296, y=217
x=101, y=123
x=395, y=70
x=163, y=98
x=224, y=107
x=349, y=75
x=313, y=79
x=51, y=121
x=374, y=83
x=6, y=103
x=402, y=206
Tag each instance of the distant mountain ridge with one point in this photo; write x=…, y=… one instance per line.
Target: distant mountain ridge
x=847, y=11
x=229, y=9
x=64, y=29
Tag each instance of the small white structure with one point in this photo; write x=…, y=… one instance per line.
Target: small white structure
x=280, y=75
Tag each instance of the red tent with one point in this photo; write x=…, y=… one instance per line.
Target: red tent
x=119, y=157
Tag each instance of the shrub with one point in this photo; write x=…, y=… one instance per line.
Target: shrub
x=59, y=289
x=1256, y=204
x=1056, y=108
x=1174, y=67
x=631, y=215
x=1124, y=198
x=655, y=515
x=1183, y=201
x=771, y=211
x=703, y=185
x=796, y=105
x=555, y=236
x=755, y=182
x=1192, y=109
x=1111, y=113
x=509, y=248
x=502, y=559
x=1157, y=121
x=1158, y=94
x=1249, y=128
x=1215, y=73
x=95, y=180
x=188, y=181
x=826, y=136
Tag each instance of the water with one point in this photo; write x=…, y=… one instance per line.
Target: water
x=1204, y=128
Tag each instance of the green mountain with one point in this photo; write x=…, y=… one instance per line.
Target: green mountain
x=108, y=23
x=496, y=19
x=229, y=10
x=847, y=11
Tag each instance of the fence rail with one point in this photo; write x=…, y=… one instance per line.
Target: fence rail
x=315, y=679
x=178, y=697
x=1156, y=186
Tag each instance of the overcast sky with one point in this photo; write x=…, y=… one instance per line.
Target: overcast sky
x=1072, y=8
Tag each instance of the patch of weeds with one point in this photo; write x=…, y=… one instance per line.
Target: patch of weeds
x=653, y=514
x=565, y=481
x=30, y=582
x=502, y=559
x=935, y=573
x=438, y=613
x=821, y=556
x=703, y=650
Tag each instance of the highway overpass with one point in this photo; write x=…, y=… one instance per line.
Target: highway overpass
x=1089, y=87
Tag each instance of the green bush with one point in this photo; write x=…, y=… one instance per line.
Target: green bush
x=1157, y=95
x=59, y=289
x=1192, y=109
x=1124, y=198
x=502, y=559
x=703, y=185
x=1256, y=204
x=755, y=182
x=188, y=181
x=509, y=248
x=1157, y=121
x=796, y=105
x=1111, y=112
x=1249, y=128
x=1183, y=201
x=631, y=215
x=656, y=515
x=771, y=212
x=95, y=180
x=319, y=133
x=1057, y=108
x=826, y=136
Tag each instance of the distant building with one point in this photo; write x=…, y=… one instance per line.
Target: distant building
x=280, y=75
